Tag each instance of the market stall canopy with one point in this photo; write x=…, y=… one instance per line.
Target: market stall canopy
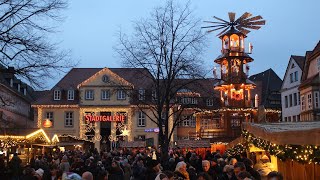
x=26, y=133
x=296, y=133
x=193, y=143
x=132, y=144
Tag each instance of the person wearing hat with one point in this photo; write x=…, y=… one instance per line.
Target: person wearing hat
x=65, y=165
x=39, y=173
x=153, y=168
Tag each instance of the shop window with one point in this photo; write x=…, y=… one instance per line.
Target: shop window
x=68, y=119
x=89, y=95
x=56, y=95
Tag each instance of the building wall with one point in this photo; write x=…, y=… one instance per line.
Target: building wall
x=313, y=67
x=291, y=112
x=59, y=127
x=18, y=111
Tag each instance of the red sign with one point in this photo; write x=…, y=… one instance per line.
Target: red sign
x=117, y=118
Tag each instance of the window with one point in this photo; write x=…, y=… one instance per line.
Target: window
x=154, y=95
x=295, y=99
x=56, y=95
x=316, y=99
x=121, y=95
x=291, y=78
x=294, y=118
x=49, y=115
x=194, y=101
x=309, y=101
x=70, y=94
x=186, y=122
x=290, y=100
x=209, y=102
x=285, y=119
x=235, y=123
x=303, y=103
x=105, y=94
x=141, y=94
x=192, y=121
x=141, y=119
x=286, y=101
x=296, y=76
x=298, y=98
x=105, y=78
x=298, y=118
x=289, y=119
x=89, y=94
x=68, y=119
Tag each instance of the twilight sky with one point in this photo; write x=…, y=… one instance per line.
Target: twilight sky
x=292, y=27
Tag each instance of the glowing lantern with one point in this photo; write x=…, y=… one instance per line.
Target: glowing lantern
x=47, y=123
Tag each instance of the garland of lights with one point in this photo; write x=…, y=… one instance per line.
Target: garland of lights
x=302, y=154
x=236, y=150
x=238, y=110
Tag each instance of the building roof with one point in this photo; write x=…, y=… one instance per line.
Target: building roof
x=295, y=133
x=270, y=85
x=300, y=60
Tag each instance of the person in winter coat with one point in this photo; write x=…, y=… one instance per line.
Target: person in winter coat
x=153, y=168
x=64, y=165
x=115, y=172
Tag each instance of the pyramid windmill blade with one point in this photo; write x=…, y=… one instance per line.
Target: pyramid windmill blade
x=244, y=31
x=213, y=22
x=223, y=31
x=255, y=18
x=214, y=26
x=251, y=27
x=215, y=29
x=244, y=16
x=263, y=22
x=220, y=19
x=232, y=16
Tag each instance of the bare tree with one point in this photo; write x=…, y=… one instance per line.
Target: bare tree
x=24, y=44
x=169, y=44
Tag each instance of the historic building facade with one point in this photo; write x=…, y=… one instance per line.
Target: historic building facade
x=309, y=87
x=15, y=101
x=290, y=95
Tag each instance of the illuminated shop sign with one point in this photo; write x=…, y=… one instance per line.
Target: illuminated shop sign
x=117, y=118
x=156, y=130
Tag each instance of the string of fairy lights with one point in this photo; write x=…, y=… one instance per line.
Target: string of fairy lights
x=300, y=153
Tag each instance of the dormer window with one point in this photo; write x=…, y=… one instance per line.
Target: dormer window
x=19, y=87
x=56, y=95
x=141, y=94
x=25, y=91
x=71, y=94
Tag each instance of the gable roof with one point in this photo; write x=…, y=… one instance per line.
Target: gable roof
x=299, y=60
x=138, y=77
x=269, y=82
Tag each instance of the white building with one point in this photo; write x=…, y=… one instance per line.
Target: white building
x=290, y=95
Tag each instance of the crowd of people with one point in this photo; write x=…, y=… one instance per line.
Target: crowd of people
x=143, y=164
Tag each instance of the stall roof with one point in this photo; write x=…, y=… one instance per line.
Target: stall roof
x=193, y=143
x=295, y=133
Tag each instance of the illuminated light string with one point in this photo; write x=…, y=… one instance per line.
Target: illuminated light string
x=238, y=110
x=300, y=153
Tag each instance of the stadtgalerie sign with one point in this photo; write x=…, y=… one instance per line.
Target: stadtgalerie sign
x=117, y=118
